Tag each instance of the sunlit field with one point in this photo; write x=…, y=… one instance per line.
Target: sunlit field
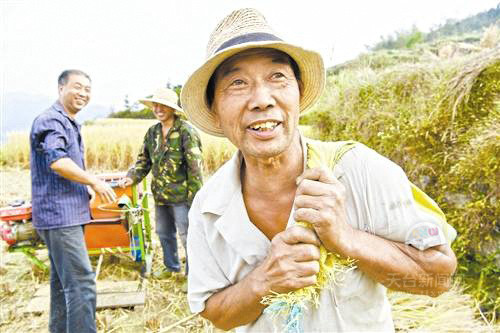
x=113, y=145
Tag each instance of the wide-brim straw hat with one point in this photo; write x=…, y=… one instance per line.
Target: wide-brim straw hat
x=241, y=30
x=163, y=96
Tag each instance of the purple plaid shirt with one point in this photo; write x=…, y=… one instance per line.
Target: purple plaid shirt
x=57, y=202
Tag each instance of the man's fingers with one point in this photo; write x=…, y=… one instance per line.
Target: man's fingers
x=318, y=174
x=111, y=194
x=125, y=182
x=308, y=201
x=308, y=215
x=103, y=197
x=316, y=188
x=308, y=268
x=306, y=252
x=298, y=234
x=106, y=193
x=304, y=281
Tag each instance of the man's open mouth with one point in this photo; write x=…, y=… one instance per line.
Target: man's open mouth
x=264, y=126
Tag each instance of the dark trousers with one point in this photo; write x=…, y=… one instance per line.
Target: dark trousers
x=169, y=220
x=72, y=285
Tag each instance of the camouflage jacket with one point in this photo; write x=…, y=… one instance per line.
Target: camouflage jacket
x=176, y=164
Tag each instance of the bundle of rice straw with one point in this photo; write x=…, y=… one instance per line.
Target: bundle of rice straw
x=332, y=265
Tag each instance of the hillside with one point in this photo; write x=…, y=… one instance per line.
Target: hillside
x=473, y=24
x=455, y=38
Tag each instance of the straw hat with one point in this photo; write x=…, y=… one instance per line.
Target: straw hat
x=163, y=96
x=241, y=30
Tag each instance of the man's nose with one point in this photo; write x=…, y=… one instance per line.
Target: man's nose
x=83, y=92
x=261, y=98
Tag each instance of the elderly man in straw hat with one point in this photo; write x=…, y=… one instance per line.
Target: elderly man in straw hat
x=172, y=150
x=243, y=243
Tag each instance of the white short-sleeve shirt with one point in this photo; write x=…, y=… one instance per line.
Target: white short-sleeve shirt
x=224, y=245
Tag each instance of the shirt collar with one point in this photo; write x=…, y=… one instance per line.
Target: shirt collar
x=229, y=183
x=234, y=225
x=60, y=108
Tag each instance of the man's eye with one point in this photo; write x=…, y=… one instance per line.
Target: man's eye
x=238, y=82
x=278, y=75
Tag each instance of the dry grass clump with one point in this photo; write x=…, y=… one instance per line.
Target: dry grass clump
x=491, y=37
x=450, y=312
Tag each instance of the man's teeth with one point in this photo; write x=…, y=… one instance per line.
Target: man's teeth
x=264, y=126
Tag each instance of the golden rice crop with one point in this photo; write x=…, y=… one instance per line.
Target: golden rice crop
x=113, y=144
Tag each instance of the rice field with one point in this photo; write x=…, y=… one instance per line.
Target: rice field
x=113, y=144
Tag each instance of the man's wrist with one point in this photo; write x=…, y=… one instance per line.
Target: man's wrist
x=343, y=241
x=258, y=283
x=93, y=181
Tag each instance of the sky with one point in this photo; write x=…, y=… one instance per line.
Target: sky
x=134, y=47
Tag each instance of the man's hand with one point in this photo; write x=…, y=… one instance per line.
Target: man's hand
x=67, y=168
x=105, y=191
x=320, y=200
x=292, y=262
x=124, y=182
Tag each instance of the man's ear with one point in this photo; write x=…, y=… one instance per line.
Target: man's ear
x=59, y=89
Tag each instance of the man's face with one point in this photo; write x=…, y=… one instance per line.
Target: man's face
x=256, y=102
x=75, y=94
x=162, y=112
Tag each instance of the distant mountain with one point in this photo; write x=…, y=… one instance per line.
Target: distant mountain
x=474, y=23
x=22, y=108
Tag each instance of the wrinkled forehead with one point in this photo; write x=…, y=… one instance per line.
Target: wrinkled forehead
x=274, y=55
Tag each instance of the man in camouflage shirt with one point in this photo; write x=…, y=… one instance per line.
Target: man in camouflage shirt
x=172, y=151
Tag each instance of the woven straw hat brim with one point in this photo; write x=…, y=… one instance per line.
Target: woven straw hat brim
x=193, y=95
x=149, y=103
